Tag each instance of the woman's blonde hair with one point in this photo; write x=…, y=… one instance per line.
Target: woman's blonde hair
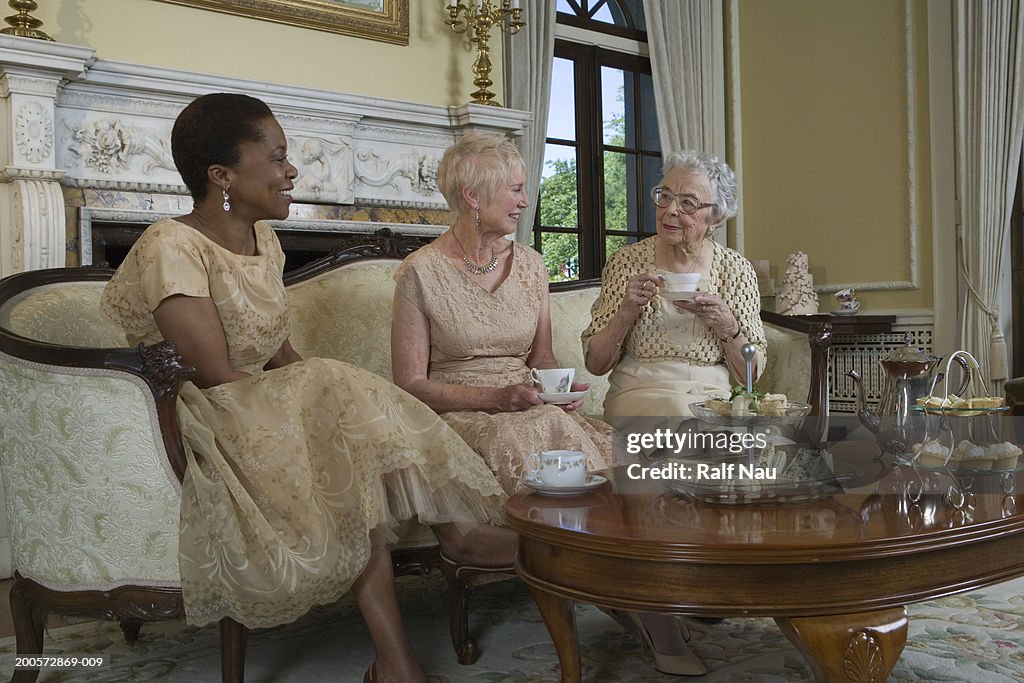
x=479, y=163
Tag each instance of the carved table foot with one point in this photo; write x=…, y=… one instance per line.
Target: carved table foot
x=859, y=648
x=560, y=618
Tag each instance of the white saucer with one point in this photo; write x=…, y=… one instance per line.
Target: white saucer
x=558, y=399
x=593, y=481
x=846, y=311
x=686, y=295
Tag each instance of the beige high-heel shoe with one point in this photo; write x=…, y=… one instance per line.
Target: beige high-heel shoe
x=625, y=620
x=677, y=665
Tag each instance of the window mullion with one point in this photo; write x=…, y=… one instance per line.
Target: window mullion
x=588, y=165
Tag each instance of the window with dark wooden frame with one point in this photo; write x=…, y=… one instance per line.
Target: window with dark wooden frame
x=602, y=152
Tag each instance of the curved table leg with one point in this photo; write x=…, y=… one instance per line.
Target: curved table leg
x=862, y=647
x=560, y=618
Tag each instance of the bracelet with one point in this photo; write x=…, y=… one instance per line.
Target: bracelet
x=739, y=328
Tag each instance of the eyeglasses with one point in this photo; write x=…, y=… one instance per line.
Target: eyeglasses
x=688, y=204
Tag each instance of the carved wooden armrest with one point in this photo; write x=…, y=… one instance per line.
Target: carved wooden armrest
x=819, y=339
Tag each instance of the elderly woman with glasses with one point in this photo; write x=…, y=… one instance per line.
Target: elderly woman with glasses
x=668, y=350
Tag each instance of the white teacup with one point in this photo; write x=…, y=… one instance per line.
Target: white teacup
x=554, y=380
x=681, y=282
x=558, y=468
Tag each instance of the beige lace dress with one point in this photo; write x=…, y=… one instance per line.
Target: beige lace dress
x=480, y=338
x=289, y=469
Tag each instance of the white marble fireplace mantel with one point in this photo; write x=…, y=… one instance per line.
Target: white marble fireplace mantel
x=73, y=120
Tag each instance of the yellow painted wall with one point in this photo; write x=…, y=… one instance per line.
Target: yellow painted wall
x=824, y=128
x=433, y=69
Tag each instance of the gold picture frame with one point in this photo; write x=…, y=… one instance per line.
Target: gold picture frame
x=386, y=20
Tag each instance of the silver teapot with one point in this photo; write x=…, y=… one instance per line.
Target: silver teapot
x=907, y=376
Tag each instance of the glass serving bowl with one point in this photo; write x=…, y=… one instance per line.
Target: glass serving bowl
x=790, y=414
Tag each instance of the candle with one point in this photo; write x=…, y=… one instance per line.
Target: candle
x=453, y=4
x=515, y=4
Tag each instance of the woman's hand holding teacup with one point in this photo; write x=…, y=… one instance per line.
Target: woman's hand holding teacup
x=711, y=310
x=516, y=397
x=574, y=405
x=640, y=289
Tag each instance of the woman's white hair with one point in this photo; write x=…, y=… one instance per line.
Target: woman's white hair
x=720, y=177
x=477, y=162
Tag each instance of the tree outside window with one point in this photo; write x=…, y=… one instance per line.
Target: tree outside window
x=602, y=152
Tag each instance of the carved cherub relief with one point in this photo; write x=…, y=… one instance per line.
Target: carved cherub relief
x=325, y=169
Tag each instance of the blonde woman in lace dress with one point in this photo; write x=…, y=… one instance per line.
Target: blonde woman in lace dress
x=298, y=470
x=471, y=318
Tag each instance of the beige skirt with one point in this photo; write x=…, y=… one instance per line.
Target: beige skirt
x=661, y=389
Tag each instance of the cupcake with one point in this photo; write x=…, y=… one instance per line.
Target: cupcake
x=931, y=453
x=1004, y=455
x=972, y=457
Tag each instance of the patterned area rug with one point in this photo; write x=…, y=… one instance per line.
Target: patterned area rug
x=977, y=636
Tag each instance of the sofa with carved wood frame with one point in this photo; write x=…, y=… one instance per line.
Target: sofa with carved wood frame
x=91, y=456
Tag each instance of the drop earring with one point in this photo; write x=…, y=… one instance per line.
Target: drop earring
x=227, y=200
x=476, y=219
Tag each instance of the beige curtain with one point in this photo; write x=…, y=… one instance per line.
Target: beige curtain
x=685, y=40
x=990, y=120
x=528, y=57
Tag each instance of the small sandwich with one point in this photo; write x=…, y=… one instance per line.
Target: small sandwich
x=931, y=454
x=744, y=404
x=970, y=456
x=1004, y=455
x=773, y=405
x=719, y=406
x=771, y=458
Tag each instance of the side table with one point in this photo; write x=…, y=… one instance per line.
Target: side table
x=858, y=343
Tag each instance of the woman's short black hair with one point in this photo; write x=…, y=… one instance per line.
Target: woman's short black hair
x=210, y=130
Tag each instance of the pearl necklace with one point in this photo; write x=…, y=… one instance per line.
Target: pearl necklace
x=472, y=267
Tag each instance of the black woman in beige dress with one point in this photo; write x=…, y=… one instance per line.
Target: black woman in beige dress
x=298, y=470
x=471, y=318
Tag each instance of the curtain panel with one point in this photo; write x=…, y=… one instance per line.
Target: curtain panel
x=528, y=58
x=685, y=44
x=990, y=121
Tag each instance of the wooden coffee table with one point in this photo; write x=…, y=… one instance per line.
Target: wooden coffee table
x=834, y=573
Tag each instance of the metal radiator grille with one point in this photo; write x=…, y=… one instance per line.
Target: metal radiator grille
x=863, y=353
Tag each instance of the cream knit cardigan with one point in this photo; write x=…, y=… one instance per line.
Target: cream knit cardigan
x=732, y=278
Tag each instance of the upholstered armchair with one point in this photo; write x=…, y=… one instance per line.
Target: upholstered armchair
x=91, y=462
